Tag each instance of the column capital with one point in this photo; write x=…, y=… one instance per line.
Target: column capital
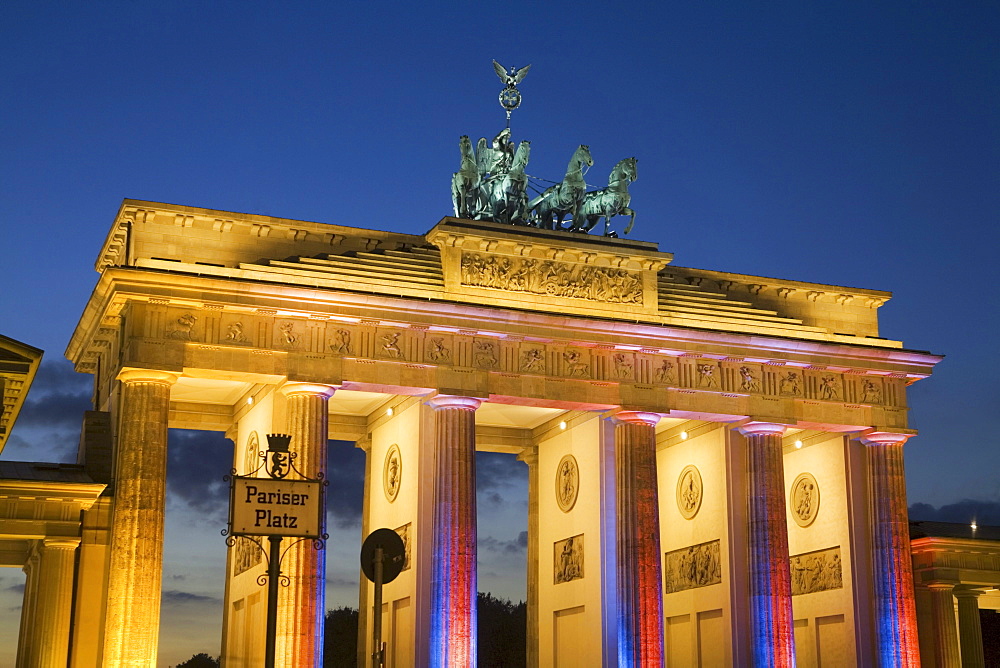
x=67, y=543
x=289, y=389
x=941, y=585
x=637, y=417
x=763, y=429
x=453, y=401
x=147, y=376
x=966, y=592
x=884, y=438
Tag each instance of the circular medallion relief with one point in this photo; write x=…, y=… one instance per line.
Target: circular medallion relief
x=252, y=459
x=567, y=483
x=804, y=499
x=392, y=473
x=689, y=491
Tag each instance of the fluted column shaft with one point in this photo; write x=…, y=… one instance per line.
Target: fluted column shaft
x=302, y=604
x=54, y=602
x=970, y=633
x=453, y=579
x=530, y=457
x=136, y=569
x=892, y=574
x=943, y=621
x=640, y=571
x=28, y=631
x=772, y=637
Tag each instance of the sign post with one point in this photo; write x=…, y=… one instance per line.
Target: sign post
x=382, y=557
x=276, y=507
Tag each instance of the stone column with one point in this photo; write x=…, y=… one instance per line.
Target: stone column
x=54, y=601
x=530, y=457
x=136, y=569
x=892, y=574
x=302, y=604
x=640, y=570
x=970, y=633
x=772, y=637
x=26, y=633
x=453, y=578
x=943, y=623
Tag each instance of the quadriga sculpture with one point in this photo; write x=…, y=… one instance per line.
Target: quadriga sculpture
x=465, y=182
x=505, y=195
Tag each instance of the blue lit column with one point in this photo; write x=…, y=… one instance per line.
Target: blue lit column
x=453, y=579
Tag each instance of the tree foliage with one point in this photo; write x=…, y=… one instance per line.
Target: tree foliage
x=201, y=660
x=340, y=638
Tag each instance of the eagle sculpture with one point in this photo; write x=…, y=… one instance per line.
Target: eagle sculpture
x=512, y=78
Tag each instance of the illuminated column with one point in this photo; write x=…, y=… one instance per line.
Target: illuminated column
x=26, y=634
x=640, y=573
x=453, y=579
x=302, y=604
x=772, y=638
x=530, y=457
x=970, y=633
x=54, y=601
x=136, y=569
x=892, y=575
x=943, y=623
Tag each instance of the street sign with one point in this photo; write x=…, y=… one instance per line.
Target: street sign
x=269, y=507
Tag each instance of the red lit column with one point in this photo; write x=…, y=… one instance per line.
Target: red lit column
x=892, y=575
x=772, y=638
x=302, y=604
x=453, y=580
x=640, y=574
x=136, y=570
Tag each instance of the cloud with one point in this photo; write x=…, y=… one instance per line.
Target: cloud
x=197, y=461
x=48, y=427
x=16, y=589
x=986, y=513
x=346, y=494
x=496, y=470
x=516, y=546
x=177, y=597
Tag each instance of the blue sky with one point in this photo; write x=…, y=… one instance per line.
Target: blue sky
x=846, y=143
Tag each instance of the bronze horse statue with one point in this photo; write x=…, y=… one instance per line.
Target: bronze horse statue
x=504, y=196
x=608, y=202
x=465, y=182
x=562, y=199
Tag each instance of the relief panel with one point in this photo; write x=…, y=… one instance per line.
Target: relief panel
x=692, y=567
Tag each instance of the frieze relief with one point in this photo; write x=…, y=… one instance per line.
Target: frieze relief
x=692, y=567
x=551, y=278
x=247, y=554
x=404, y=533
x=567, y=564
x=821, y=570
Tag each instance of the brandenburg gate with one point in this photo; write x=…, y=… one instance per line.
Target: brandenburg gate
x=715, y=460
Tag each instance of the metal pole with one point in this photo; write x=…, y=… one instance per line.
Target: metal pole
x=377, y=612
x=273, y=573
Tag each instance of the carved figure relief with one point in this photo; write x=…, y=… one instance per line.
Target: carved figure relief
x=184, y=328
x=533, y=360
x=575, y=366
x=247, y=555
x=624, y=366
x=689, y=491
x=392, y=473
x=341, y=342
x=568, y=560
x=404, y=533
x=692, y=567
x=288, y=335
x=234, y=333
x=804, y=499
x=252, y=459
x=706, y=376
x=567, y=483
x=486, y=354
x=555, y=279
x=390, y=345
x=829, y=388
x=437, y=351
x=664, y=373
x=750, y=383
x=789, y=384
x=817, y=571
x=870, y=392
